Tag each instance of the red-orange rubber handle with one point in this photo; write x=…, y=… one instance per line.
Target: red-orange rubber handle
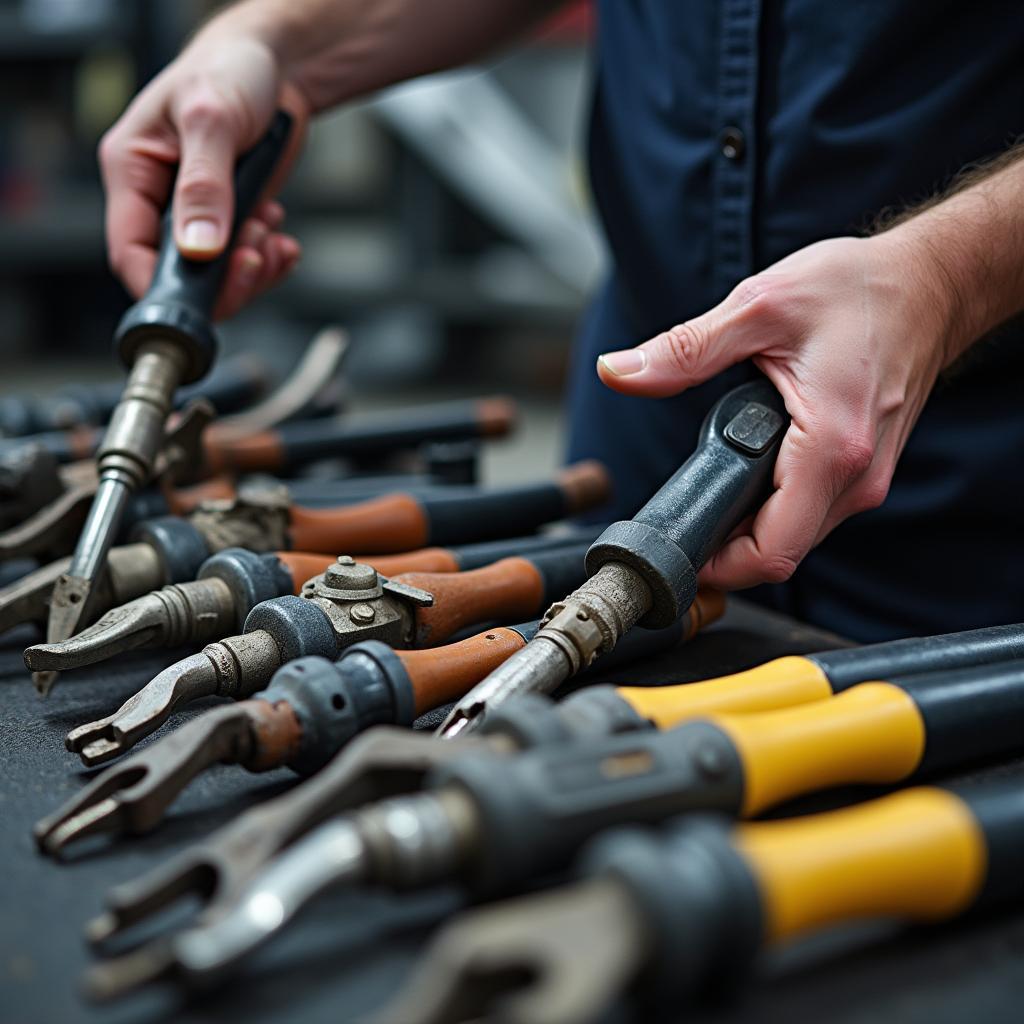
x=260, y=452
x=444, y=674
x=381, y=526
x=507, y=591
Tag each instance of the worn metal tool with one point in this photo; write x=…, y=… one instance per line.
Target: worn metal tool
x=645, y=570
x=348, y=602
x=193, y=452
x=267, y=520
x=51, y=530
x=311, y=710
x=222, y=864
x=166, y=339
x=376, y=763
x=495, y=823
x=232, y=385
x=232, y=582
x=800, y=679
x=670, y=916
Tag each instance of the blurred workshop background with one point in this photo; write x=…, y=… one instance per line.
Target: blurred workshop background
x=445, y=224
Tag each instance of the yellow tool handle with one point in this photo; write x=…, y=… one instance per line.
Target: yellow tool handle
x=777, y=684
x=918, y=855
x=872, y=733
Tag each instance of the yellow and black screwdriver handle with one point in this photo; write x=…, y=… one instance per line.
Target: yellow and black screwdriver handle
x=793, y=680
x=708, y=897
x=540, y=807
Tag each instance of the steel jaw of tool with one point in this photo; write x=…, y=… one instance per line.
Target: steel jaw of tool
x=54, y=525
x=359, y=604
x=531, y=958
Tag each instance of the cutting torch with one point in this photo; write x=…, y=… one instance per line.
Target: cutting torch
x=166, y=340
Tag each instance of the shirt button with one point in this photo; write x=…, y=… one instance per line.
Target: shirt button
x=733, y=143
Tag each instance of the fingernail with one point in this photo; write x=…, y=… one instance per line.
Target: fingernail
x=200, y=235
x=624, y=363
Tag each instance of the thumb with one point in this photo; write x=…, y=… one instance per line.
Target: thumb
x=679, y=358
x=203, y=191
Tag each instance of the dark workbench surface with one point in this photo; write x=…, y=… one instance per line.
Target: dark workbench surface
x=349, y=952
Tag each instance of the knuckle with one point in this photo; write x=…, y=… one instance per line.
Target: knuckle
x=200, y=185
x=762, y=297
x=778, y=568
x=685, y=346
x=203, y=108
x=873, y=493
x=852, y=455
x=109, y=148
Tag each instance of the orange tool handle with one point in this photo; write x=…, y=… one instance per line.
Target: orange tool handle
x=444, y=674
x=510, y=590
x=304, y=565
x=395, y=522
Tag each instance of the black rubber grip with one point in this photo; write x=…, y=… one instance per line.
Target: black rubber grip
x=969, y=713
x=698, y=900
x=474, y=556
x=181, y=547
x=57, y=442
x=727, y=478
x=377, y=435
x=250, y=577
x=181, y=298
x=562, y=570
x=335, y=701
x=998, y=807
x=852, y=665
x=494, y=513
x=537, y=809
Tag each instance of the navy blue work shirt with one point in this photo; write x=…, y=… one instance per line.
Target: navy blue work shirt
x=727, y=134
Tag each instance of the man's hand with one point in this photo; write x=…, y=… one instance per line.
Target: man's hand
x=218, y=97
x=853, y=338
x=211, y=104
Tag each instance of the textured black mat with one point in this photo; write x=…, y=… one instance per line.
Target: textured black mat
x=348, y=954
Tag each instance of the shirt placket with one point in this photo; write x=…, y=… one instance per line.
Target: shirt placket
x=733, y=177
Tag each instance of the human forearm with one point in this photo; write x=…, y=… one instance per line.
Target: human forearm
x=967, y=250
x=335, y=50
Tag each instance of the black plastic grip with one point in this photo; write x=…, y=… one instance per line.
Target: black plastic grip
x=698, y=900
x=988, y=646
x=180, y=299
x=495, y=513
x=537, y=809
x=726, y=479
x=998, y=808
x=562, y=570
x=969, y=714
x=475, y=556
x=376, y=435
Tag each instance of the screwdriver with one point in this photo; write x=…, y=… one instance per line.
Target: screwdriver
x=348, y=602
x=645, y=570
x=232, y=582
x=673, y=915
x=233, y=856
x=312, y=708
x=165, y=340
x=495, y=823
x=376, y=684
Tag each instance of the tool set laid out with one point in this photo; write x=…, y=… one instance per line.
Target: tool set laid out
x=433, y=657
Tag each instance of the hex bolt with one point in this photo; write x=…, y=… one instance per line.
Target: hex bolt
x=362, y=614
